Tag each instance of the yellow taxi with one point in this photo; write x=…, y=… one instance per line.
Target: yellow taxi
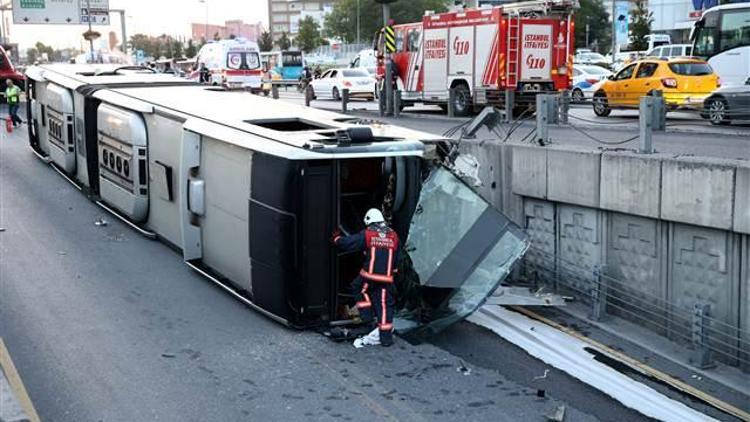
x=684, y=81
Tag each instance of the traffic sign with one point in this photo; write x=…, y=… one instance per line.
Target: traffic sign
x=61, y=12
x=390, y=39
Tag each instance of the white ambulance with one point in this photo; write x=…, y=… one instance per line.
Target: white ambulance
x=233, y=64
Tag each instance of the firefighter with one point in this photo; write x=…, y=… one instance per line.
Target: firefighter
x=373, y=287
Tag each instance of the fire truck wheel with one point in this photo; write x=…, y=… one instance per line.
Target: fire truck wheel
x=601, y=106
x=462, y=103
x=335, y=94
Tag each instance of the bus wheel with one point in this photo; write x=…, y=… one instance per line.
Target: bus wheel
x=462, y=101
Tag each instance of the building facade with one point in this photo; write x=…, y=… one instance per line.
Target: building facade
x=236, y=28
x=284, y=15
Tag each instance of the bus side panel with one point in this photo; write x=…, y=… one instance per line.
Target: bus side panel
x=123, y=176
x=82, y=169
x=59, y=112
x=225, y=170
x=165, y=137
x=40, y=116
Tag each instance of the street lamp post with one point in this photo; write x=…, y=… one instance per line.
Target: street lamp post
x=205, y=26
x=358, y=40
x=91, y=39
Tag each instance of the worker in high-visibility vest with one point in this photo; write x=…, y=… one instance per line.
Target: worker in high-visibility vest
x=13, y=95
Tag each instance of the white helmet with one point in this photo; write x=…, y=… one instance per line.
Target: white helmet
x=373, y=216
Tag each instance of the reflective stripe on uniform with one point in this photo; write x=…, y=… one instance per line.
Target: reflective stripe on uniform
x=376, y=277
x=383, y=309
x=365, y=303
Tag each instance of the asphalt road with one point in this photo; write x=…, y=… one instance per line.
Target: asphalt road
x=105, y=325
x=686, y=133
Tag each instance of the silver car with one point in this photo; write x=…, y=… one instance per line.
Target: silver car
x=728, y=103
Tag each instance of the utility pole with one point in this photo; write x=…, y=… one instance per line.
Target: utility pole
x=358, y=40
x=614, y=32
x=91, y=40
x=122, y=28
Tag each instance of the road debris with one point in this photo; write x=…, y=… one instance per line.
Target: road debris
x=558, y=415
x=168, y=355
x=462, y=368
x=540, y=377
x=2, y=229
x=101, y=222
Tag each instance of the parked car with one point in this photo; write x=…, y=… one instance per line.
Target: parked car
x=684, y=82
x=672, y=50
x=591, y=58
x=728, y=103
x=585, y=78
x=333, y=82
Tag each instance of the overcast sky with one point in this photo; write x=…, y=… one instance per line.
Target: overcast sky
x=145, y=16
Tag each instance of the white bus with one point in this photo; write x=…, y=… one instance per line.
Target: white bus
x=722, y=36
x=249, y=191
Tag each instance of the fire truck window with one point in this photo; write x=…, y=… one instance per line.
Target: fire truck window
x=413, y=40
x=399, y=40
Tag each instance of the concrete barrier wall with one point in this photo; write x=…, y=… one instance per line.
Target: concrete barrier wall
x=670, y=229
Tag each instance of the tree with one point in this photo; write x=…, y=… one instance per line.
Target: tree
x=640, y=26
x=342, y=21
x=593, y=13
x=265, y=42
x=190, y=49
x=177, y=49
x=284, y=42
x=308, y=35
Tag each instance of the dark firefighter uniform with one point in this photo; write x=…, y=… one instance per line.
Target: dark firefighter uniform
x=373, y=287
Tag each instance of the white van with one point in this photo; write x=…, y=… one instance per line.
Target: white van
x=234, y=64
x=672, y=50
x=367, y=60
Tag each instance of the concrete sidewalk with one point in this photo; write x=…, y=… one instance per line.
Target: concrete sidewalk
x=15, y=405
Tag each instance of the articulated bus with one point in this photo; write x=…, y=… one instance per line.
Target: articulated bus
x=722, y=36
x=249, y=190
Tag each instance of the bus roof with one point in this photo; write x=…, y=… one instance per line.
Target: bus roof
x=728, y=6
x=296, y=132
x=74, y=76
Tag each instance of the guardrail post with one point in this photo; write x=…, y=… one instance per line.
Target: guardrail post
x=451, y=102
x=645, y=125
x=699, y=334
x=510, y=98
x=660, y=111
x=308, y=95
x=598, y=295
x=274, y=91
x=564, y=106
x=344, y=99
x=397, y=103
x=542, y=119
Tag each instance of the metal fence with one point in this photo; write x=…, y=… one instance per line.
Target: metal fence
x=708, y=338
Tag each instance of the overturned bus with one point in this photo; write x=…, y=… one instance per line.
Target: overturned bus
x=250, y=189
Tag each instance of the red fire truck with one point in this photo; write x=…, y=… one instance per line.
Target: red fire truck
x=524, y=47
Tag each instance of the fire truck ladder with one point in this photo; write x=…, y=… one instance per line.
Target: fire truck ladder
x=514, y=48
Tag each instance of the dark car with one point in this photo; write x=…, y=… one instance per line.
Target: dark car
x=728, y=103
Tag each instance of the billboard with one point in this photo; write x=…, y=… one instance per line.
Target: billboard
x=61, y=12
x=622, y=16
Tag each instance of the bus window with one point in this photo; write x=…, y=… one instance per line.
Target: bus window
x=735, y=29
x=291, y=59
x=704, y=38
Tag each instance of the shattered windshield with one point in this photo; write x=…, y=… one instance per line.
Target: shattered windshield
x=461, y=248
